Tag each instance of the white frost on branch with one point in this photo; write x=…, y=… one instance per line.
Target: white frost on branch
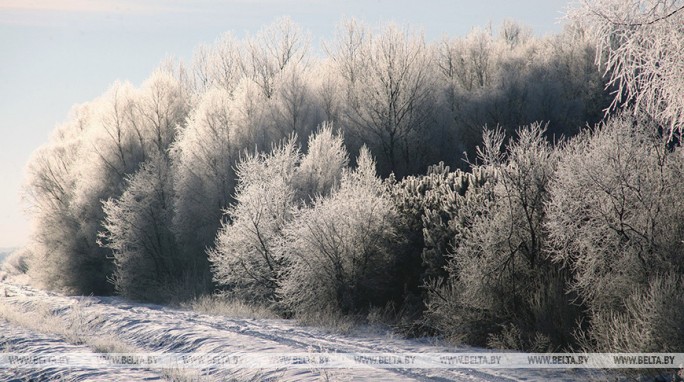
x=641, y=47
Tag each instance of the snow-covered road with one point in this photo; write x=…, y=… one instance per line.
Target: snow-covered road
x=153, y=328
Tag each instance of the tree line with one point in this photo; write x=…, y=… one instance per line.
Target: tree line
x=307, y=183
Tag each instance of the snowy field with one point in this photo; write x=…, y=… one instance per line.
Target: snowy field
x=110, y=324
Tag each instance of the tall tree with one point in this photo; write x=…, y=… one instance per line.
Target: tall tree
x=389, y=88
x=218, y=65
x=204, y=156
x=58, y=260
x=137, y=228
x=271, y=50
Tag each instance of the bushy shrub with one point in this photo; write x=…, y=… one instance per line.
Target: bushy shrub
x=652, y=320
x=615, y=218
x=339, y=249
x=245, y=258
x=320, y=170
x=499, y=273
x=427, y=207
x=427, y=204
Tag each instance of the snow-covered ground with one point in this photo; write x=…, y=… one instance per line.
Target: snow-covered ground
x=152, y=328
x=14, y=338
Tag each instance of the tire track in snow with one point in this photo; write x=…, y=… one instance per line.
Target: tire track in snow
x=292, y=336
x=16, y=339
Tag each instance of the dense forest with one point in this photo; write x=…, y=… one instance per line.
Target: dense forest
x=498, y=189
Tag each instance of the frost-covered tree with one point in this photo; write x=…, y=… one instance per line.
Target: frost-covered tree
x=134, y=126
x=103, y=148
x=321, y=168
x=640, y=45
x=513, y=33
x=389, y=92
x=275, y=47
x=570, y=92
x=429, y=207
x=512, y=81
x=470, y=61
x=245, y=258
x=218, y=65
x=615, y=218
x=327, y=88
x=204, y=156
x=88, y=162
x=347, y=56
x=115, y=147
x=340, y=248
x=160, y=109
x=61, y=259
x=499, y=271
x=137, y=228
x=131, y=124
x=293, y=107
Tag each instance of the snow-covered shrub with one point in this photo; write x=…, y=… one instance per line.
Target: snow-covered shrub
x=246, y=258
x=340, y=249
x=499, y=271
x=616, y=219
x=221, y=305
x=497, y=256
x=652, y=320
x=426, y=205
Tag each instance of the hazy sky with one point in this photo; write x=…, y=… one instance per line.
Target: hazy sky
x=56, y=53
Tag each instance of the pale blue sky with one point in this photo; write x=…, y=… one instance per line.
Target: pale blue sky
x=56, y=53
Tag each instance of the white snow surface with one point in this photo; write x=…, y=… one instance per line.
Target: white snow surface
x=157, y=328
